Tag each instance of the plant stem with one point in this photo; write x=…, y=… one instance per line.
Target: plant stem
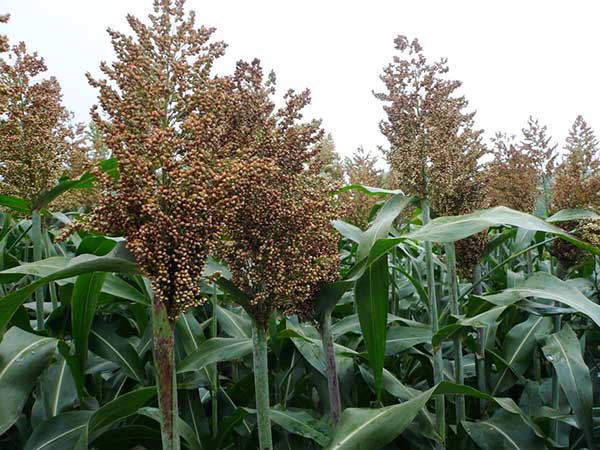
x=36, y=237
x=438, y=362
x=261, y=386
x=480, y=354
x=455, y=309
x=335, y=403
x=561, y=272
x=214, y=369
x=164, y=362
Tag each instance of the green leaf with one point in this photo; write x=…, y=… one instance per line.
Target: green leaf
x=23, y=357
x=122, y=407
x=517, y=349
x=215, y=350
x=400, y=339
x=503, y=432
x=234, y=324
x=544, y=285
x=109, y=345
x=300, y=422
x=86, y=293
x=79, y=265
x=371, y=299
x=382, y=224
x=16, y=204
x=369, y=190
x=562, y=349
x=362, y=428
x=60, y=432
x=348, y=230
x=567, y=215
x=59, y=392
x=454, y=228
x=186, y=432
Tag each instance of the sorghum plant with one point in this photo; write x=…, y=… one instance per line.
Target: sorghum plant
x=434, y=152
x=512, y=175
x=278, y=240
x=157, y=108
x=33, y=130
x=362, y=169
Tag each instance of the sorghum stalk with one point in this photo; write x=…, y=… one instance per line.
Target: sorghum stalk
x=455, y=309
x=438, y=362
x=36, y=237
x=561, y=272
x=261, y=386
x=480, y=354
x=335, y=404
x=214, y=368
x=164, y=362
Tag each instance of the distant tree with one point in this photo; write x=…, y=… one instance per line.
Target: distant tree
x=361, y=168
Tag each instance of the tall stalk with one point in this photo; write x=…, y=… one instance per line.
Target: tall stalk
x=261, y=386
x=480, y=354
x=335, y=403
x=214, y=368
x=459, y=374
x=561, y=272
x=438, y=362
x=164, y=362
x=36, y=237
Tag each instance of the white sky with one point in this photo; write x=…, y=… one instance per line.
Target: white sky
x=515, y=58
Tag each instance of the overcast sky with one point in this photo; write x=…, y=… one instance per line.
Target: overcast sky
x=515, y=58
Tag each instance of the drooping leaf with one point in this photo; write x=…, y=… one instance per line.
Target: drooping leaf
x=79, y=265
x=370, y=190
x=503, y=432
x=518, y=346
x=546, y=286
x=23, y=357
x=58, y=388
x=186, y=432
x=400, y=339
x=120, y=408
x=16, y=204
x=371, y=299
x=60, y=432
x=454, y=228
x=300, y=422
x=236, y=325
x=567, y=215
x=109, y=345
x=215, y=350
x=562, y=349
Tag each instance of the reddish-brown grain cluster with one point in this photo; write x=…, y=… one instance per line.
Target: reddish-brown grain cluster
x=512, y=176
x=360, y=169
x=197, y=153
x=165, y=201
x=33, y=125
x=434, y=148
x=577, y=180
x=4, y=46
x=577, y=185
x=278, y=240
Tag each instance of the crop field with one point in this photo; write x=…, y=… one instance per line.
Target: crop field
x=197, y=268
